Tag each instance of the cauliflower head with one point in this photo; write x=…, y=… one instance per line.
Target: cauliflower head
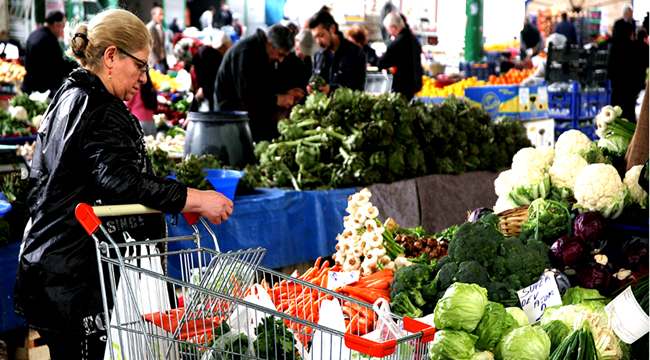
x=564, y=172
x=548, y=153
x=502, y=185
x=503, y=204
x=528, y=184
x=599, y=188
x=529, y=157
x=636, y=192
x=19, y=113
x=571, y=142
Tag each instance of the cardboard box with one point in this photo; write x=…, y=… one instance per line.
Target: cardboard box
x=540, y=132
x=517, y=102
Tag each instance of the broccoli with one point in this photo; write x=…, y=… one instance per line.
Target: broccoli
x=422, y=259
x=430, y=290
x=447, y=275
x=521, y=263
x=477, y=241
x=402, y=305
x=416, y=297
x=442, y=262
x=413, y=276
x=471, y=272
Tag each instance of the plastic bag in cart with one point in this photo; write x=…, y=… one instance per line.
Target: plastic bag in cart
x=325, y=346
x=244, y=319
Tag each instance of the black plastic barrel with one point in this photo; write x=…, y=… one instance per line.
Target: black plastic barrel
x=222, y=133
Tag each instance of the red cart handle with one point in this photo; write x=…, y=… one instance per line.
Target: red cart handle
x=383, y=349
x=192, y=218
x=86, y=216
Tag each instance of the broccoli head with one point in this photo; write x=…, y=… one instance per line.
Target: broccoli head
x=413, y=276
x=430, y=289
x=549, y=220
x=471, y=272
x=520, y=263
x=447, y=275
x=476, y=241
x=442, y=262
x=402, y=305
x=416, y=297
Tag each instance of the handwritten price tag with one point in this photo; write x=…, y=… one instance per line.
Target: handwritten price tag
x=338, y=279
x=537, y=297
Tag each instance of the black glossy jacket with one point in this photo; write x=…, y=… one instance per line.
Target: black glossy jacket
x=347, y=68
x=89, y=149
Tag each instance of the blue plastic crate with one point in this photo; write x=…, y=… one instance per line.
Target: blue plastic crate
x=577, y=105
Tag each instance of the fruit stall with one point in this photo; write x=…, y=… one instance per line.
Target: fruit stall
x=416, y=225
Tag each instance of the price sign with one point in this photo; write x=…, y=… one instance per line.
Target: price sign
x=537, y=297
x=338, y=279
x=628, y=319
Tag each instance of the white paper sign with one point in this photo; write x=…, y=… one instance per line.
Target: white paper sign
x=537, y=297
x=524, y=96
x=542, y=95
x=338, y=279
x=628, y=319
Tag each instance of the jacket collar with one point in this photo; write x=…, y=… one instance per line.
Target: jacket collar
x=83, y=78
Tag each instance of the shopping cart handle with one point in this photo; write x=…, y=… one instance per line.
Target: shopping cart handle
x=86, y=216
x=192, y=218
x=369, y=347
x=415, y=326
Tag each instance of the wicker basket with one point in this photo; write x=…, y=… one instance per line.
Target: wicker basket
x=510, y=221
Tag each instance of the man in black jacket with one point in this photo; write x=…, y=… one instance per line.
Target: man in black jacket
x=403, y=53
x=338, y=61
x=244, y=80
x=46, y=68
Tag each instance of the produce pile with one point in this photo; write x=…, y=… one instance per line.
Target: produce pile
x=355, y=139
x=164, y=82
x=23, y=116
x=430, y=89
x=514, y=45
x=11, y=72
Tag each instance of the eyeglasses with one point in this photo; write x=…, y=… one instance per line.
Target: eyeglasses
x=144, y=66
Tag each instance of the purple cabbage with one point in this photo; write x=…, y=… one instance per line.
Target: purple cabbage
x=596, y=274
x=569, y=252
x=591, y=226
x=635, y=253
x=477, y=214
x=563, y=283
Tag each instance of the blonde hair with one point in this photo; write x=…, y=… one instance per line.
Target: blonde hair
x=111, y=27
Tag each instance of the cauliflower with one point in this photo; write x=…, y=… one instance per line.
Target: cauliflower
x=529, y=157
x=502, y=184
x=548, y=153
x=571, y=142
x=563, y=174
x=503, y=204
x=19, y=113
x=599, y=188
x=528, y=184
x=636, y=192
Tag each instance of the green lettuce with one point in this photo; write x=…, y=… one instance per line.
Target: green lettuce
x=452, y=345
x=483, y=355
x=495, y=322
x=461, y=308
x=524, y=343
x=519, y=315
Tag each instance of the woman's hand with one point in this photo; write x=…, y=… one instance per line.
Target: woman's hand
x=210, y=204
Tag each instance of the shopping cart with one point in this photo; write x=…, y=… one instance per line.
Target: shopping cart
x=216, y=318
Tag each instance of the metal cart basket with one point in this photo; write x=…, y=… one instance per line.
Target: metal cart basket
x=215, y=319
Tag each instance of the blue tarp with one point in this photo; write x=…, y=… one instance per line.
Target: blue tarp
x=8, y=268
x=293, y=226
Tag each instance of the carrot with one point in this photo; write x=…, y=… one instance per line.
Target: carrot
x=347, y=310
x=324, y=280
x=381, y=284
x=380, y=274
x=283, y=305
x=306, y=275
x=364, y=326
x=325, y=265
x=354, y=324
x=335, y=269
x=317, y=263
x=366, y=294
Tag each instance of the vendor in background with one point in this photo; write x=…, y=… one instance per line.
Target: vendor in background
x=224, y=16
x=244, y=80
x=558, y=41
x=359, y=35
x=403, y=53
x=158, y=56
x=174, y=27
x=46, y=68
x=143, y=104
x=625, y=24
x=90, y=149
x=566, y=28
x=623, y=69
x=295, y=70
x=206, y=63
x=530, y=38
x=207, y=18
x=338, y=61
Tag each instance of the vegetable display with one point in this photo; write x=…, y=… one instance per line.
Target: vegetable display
x=461, y=308
x=353, y=139
x=524, y=343
x=615, y=133
x=452, y=345
x=579, y=345
x=495, y=323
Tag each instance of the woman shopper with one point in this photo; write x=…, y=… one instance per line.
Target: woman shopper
x=143, y=105
x=90, y=149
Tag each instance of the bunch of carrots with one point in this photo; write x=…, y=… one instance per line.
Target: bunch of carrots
x=368, y=289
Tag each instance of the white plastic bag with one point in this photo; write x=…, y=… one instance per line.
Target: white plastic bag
x=386, y=329
x=245, y=319
x=324, y=345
